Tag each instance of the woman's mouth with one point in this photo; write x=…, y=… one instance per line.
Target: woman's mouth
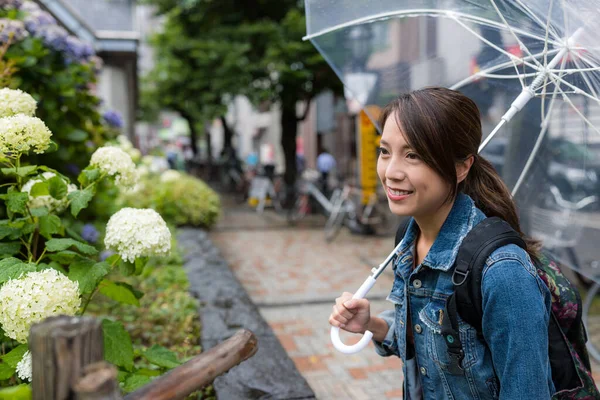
x=397, y=194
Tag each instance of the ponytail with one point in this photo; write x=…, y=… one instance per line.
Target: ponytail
x=491, y=195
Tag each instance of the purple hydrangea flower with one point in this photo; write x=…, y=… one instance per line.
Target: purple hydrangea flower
x=35, y=20
x=90, y=233
x=113, y=118
x=14, y=27
x=8, y=4
x=29, y=6
x=54, y=36
x=104, y=254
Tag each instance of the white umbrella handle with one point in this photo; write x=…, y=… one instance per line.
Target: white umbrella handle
x=364, y=341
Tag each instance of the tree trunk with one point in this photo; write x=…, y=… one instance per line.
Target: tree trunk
x=289, y=129
x=227, y=136
x=193, y=131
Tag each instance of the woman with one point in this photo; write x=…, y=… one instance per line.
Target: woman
x=429, y=167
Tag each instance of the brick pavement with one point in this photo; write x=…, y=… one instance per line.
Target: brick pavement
x=293, y=276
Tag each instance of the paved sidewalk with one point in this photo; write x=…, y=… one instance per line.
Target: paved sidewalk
x=293, y=276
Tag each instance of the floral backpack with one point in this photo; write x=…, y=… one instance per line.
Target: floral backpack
x=569, y=360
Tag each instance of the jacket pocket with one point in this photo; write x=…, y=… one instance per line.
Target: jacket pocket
x=432, y=315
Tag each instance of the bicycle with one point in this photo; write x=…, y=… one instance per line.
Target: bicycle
x=307, y=190
x=560, y=232
x=374, y=217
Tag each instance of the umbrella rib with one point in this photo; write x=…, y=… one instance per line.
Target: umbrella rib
x=495, y=68
x=419, y=12
x=565, y=97
x=538, y=143
x=536, y=18
x=577, y=89
x=501, y=50
x=510, y=29
x=585, y=78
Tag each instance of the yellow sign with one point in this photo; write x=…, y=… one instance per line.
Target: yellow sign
x=368, y=141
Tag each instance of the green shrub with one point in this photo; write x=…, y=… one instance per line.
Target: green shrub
x=180, y=198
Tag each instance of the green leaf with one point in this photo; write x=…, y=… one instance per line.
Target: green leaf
x=39, y=189
x=62, y=244
x=57, y=187
x=39, y=211
x=88, y=274
x=22, y=171
x=13, y=357
x=7, y=231
x=65, y=257
x=140, y=263
x=121, y=292
x=77, y=135
x=53, y=265
x=52, y=147
x=135, y=381
x=10, y=248
x=88, y=176
x=161, y=356
x=80, y=200
x=19, y=392
x=16, y=202
x=126, y=268
x=118, y=349
x=50, y=225
x=12, y=268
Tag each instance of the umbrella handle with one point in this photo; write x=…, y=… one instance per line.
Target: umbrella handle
x=364, y=341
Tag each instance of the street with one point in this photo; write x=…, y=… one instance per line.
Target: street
x=293, y=276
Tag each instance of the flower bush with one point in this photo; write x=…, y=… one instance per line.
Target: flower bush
x=46, y=266
x=59, y=71
x=180, y=198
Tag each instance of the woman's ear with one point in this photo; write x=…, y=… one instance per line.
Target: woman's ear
x=463, y=167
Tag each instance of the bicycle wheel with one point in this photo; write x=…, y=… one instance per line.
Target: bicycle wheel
x=336, y=220
x=592, y=324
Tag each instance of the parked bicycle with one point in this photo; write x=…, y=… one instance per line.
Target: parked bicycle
x=347, y=210
x=307, y=191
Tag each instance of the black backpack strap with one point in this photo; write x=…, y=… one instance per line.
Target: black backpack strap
x=485, y=238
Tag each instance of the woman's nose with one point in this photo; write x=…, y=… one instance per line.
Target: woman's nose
x=394, y=171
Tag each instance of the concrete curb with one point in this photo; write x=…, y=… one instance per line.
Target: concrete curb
x=226, y=308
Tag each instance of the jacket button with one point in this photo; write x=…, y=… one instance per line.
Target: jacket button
x=418, y=328
x=423, y=371
x=417, y=283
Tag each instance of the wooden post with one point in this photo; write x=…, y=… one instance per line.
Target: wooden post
x=99, y=382
x=60, y=348
x=200, y=370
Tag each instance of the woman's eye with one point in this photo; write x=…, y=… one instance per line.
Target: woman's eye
x=413, y=156
x=382, y=151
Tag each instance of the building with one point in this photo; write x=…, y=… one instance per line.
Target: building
x=109, y=26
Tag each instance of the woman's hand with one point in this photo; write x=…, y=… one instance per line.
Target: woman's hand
x=352, y=315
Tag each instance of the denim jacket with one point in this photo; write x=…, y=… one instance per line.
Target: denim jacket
x=511, y=360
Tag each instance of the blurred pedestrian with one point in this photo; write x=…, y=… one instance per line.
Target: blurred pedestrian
x=325, y=165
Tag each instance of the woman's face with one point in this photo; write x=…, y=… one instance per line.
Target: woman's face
x=412, y=187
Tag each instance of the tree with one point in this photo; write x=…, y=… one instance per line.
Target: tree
x=280, y=66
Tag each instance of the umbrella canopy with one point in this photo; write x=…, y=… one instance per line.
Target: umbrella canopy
x=532, y=67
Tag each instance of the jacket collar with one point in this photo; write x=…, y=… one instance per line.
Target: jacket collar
x=461, y=219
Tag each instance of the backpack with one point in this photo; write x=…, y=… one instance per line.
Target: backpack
x=569, y=360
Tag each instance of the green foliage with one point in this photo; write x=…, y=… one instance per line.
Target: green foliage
x=184, y=201
x=66, y=101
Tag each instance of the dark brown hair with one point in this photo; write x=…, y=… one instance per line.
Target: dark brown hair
x=443, y=127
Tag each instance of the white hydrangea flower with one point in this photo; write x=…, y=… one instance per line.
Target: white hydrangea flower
x=124, y=142
x=170, y=175
x=115, y=162
x=16, y=102
x=24, y=367
x=47, y=201
x=134, y=233
x=143, y=170
x=35, y=297
x=20, y=133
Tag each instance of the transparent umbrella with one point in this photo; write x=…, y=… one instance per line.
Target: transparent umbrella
x=532, y=67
